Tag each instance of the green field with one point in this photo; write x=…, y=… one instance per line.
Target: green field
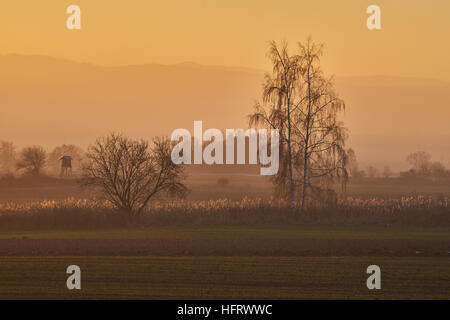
x=224, y=278
x=248, y=275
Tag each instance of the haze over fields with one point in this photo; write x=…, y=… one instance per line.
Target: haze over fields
x=51, y=101
x=136, y=83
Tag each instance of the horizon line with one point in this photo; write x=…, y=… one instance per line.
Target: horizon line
x=195, y=64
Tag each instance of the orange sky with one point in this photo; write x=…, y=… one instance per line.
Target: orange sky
x=413, y=40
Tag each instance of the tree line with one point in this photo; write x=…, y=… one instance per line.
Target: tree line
x=35, y=160
x=420, y=165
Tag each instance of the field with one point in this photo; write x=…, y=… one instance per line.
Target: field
x=216, y=249
x=248, y=232
x=203, y=186
x=227, y=262
x=224, y=278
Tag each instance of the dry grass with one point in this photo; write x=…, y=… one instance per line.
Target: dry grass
x=84, y=213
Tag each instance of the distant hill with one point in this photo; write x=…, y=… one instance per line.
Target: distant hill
x=50, y=101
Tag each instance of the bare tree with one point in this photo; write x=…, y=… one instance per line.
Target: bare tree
x=352, y=165
x=372, y=172
x=300, y=102
x=387, y=172
x=279, y=96
x=130, y=172
x=323, y=135
x=32, y=159
x=438, y=170
x=420, y=161
x=7, y=156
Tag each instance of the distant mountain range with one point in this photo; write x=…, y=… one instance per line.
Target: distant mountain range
x=51, y=101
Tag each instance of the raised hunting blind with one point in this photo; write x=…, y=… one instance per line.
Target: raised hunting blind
x=66, y=166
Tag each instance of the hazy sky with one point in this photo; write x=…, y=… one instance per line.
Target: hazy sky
x=413, y=40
